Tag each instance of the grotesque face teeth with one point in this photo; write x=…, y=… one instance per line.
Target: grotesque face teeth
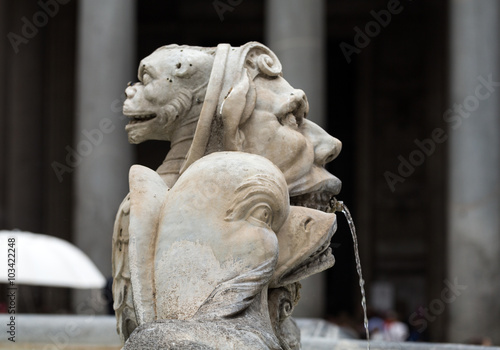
x=316, y=200
x=141, y=118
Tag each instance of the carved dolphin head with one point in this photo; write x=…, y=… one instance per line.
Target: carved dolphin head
x=304, y=242
x=216, y=246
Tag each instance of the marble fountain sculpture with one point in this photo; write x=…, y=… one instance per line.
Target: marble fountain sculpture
x=209, y=250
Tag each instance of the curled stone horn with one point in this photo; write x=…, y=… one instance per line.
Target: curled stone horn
x=261, y=60
x=234, y=69
x=266, y=65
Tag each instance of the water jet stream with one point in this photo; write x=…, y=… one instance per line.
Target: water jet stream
x=340, y=206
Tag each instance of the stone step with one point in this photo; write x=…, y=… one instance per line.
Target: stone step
x=79, y=332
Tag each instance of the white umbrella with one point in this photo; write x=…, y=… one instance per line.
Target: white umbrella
x=47, y=261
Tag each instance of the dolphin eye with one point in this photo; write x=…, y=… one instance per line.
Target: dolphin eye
x=307, y=223
x=261, y=214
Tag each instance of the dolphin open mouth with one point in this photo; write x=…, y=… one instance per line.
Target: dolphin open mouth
x=319, y=261
x=304, y=245
x=321, y=258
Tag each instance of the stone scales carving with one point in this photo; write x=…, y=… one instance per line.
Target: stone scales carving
x=208, y=251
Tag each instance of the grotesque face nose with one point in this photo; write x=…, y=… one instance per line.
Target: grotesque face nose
x=326, y=147
x=130, y=91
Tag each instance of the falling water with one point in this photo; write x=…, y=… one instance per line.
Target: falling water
x=340, y=206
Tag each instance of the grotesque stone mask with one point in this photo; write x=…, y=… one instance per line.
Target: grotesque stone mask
x=170, y=80
x=278, y=130
x=243, y=104
x=252, y=108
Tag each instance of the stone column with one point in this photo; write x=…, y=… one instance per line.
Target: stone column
x=102, y=155
x=474, y=172
x=295, y=31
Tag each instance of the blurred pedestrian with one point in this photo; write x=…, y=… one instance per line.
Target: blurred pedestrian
x=393, y=329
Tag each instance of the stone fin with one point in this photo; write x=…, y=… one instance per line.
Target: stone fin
x=147, y=196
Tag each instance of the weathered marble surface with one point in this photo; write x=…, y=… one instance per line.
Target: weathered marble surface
x=211, y=257
x=204, y=101
x=201, y=265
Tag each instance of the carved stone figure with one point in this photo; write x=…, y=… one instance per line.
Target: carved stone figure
x=164, y=105
x=304, y=249
x=206, y=277
x=212, y=267
x=207, y=100
x=166, y=102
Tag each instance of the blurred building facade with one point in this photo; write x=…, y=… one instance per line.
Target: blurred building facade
x=420, y=175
